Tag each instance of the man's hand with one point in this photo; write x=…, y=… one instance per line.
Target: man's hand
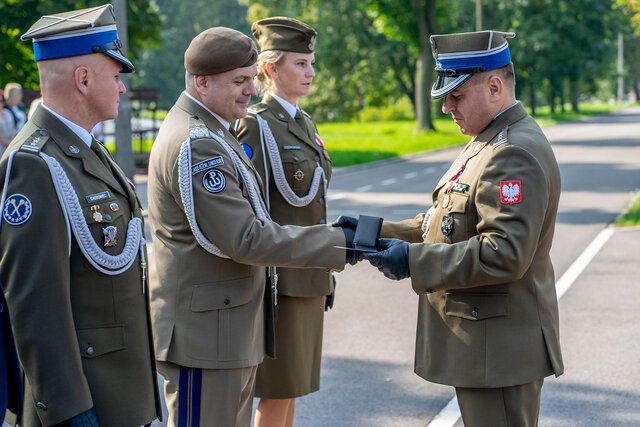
x=392, y=260
x=349, y=225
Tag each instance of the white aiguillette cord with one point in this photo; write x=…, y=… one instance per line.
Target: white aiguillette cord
x=102, y=261
x=185, y=183
x=268, y=140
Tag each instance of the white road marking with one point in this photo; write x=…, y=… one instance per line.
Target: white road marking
x=337, y=196
x=450, y=414
x=430, y=170
x=410, y=175
x=389, y=181
x=363, y=188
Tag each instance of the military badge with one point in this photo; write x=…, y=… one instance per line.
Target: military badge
x=221, y=132
x=92, y=198
x=247, y=150
x=510, y=192
x=114, y=207
x=214, y=181
x=299, y=175
x=110, y=235
x=97, y=216
x=74, y=149
x=17, y=209
x=207, y=164
x=447, y=225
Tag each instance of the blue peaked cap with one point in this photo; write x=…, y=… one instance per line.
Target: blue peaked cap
x=459, y=56
x=75, y=33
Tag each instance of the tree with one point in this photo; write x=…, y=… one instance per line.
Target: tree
x=16, y=16
x=180, y=22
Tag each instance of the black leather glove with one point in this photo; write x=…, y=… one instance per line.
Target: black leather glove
x=329, y=299
x=349, y=225
x=85, y=419
x=392, y=260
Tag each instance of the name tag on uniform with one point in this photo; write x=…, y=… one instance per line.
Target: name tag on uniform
x=207, y=164
x=290, y=147
x=99, y=196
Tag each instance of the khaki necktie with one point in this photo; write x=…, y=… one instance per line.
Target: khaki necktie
x=300, y=120
x=96, y=147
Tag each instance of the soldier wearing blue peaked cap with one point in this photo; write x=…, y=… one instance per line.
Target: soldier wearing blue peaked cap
x=73, y=259
x=479, y=256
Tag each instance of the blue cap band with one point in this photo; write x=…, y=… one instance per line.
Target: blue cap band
x=71, y=46
x=489, y=60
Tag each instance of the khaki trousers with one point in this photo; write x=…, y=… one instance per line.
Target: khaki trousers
x=516, y=406
x=208, y=397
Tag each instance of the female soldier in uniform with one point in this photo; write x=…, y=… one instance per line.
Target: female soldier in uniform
x=283, y=143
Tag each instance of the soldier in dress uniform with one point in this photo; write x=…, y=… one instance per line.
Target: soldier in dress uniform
x=73, y=257
x=283, y=143
x=213, y=239
x=479, y=257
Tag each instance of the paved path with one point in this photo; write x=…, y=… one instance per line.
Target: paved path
x=367, y=377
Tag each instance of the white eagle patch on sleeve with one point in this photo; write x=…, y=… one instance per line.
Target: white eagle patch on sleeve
x=510, y=192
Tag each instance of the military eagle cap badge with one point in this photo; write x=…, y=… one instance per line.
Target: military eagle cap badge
x=510, y=192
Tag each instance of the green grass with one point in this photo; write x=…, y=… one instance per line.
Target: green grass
x=631, y=216
x=355, y=143
x=544, y=117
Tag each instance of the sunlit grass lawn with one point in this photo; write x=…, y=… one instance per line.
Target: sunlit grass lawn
x=631, y=217
x=354, y=143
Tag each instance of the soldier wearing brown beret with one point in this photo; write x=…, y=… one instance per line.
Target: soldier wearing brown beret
x=479, y=257
x=283, y=143
x=212, y=310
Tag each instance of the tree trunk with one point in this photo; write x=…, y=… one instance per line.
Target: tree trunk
x=636, y=89
x=425, y=16
x=575, y=94
x=562, y=99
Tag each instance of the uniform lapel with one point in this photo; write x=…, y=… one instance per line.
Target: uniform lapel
x=75, y=147
x=305, y=135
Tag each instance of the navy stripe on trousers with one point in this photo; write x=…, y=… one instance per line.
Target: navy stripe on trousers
x=189, y=393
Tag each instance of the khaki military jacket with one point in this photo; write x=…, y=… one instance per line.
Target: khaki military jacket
x=488, y=311
x=208, y=311
x=300, y=153
x=83, y=337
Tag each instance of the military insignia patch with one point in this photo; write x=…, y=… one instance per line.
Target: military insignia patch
x=510, y=192
x=214, y=181
x=92, y=198
x=207, y=164
x=17, y=209
x=247, y=150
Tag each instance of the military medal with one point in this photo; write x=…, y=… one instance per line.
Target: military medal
x=445, y=201
x=97, y=216
x=447, y=225
x=110, y=235
x=299, y=175
x=114, y=207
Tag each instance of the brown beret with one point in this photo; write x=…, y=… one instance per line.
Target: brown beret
x=281, y=33
x=217, y=50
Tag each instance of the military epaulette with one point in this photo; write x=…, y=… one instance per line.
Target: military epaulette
x=257, y=108
x=197, y=128
x=502, y=138
x=35, y=142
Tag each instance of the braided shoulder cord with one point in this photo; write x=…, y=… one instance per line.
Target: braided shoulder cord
x=185, y=183
x=102, y=261
x=278, y=172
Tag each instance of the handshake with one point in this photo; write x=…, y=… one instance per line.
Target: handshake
x=390, y=256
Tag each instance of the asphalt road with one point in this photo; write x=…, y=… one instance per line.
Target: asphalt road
x=367, y=371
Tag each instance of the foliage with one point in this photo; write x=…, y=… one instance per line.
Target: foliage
x=631, y=216
x=400, y=110
x=16, y=16
x=181, y=21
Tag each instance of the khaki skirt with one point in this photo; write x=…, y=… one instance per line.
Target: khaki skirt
x=296, y=369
